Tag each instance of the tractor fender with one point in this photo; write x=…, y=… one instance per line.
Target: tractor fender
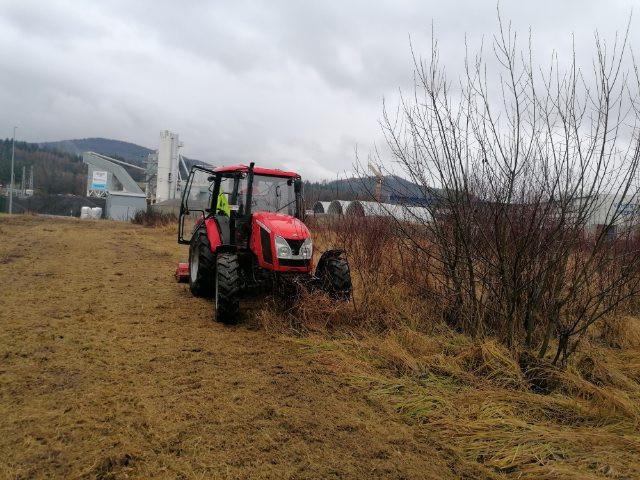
x=213, y=234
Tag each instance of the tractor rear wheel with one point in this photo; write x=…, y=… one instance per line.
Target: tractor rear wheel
x=201, y=265
x=336, y=278
x=227, y=288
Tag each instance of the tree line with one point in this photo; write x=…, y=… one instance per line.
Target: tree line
x=54, y=172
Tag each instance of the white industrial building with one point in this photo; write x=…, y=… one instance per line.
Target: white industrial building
x=164, y=172
x=403, y=213
x=616, y=212
x=124, y=206
x=106, y=174
x=361, y=208
x=107, y=178
x=613, y=212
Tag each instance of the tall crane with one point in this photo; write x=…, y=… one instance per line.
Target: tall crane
x=379, y=179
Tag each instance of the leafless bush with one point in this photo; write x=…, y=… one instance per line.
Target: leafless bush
x=533, y=179
x=380, y=258
x=151, y=218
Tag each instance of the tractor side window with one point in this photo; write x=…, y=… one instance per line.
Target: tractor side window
x=195, y=202
x=199, y=195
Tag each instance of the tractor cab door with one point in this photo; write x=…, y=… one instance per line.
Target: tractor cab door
x=196, y=202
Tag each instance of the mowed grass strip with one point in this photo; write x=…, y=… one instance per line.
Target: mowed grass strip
x=109, y=369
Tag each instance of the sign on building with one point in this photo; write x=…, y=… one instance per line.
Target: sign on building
x=628, y=208
x=99, y=180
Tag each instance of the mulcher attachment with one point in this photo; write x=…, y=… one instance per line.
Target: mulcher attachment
x=182, y=272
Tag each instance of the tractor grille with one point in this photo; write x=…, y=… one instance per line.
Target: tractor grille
x=288, y=262
x=265, y=241
x=295, y=246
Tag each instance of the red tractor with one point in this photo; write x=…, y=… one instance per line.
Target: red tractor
x=248, y=236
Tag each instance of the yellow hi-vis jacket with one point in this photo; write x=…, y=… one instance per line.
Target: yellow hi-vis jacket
x=223, y=204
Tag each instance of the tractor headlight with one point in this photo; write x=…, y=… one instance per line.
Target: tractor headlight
x=306, y=249
x=283, y=250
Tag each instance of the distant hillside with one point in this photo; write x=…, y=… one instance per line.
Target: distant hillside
x=55, y=172
x=59, y=170
x=129, y=152
x=394, y=189
x=58, y=166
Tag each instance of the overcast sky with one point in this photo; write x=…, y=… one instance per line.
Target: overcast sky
x=294, y=84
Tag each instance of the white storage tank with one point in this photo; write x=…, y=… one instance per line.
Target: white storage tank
x=96, y=213
x=85, y=212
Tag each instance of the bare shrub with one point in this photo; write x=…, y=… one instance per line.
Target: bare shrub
x=387, y=269
x=532, y=235
x=152, y=218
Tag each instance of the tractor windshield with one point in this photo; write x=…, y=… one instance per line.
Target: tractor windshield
x=270, y=194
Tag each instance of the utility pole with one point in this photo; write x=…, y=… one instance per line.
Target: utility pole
x=22, y=184
x=13, y=154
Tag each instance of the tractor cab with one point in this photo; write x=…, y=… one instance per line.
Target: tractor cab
x=233, y=194
x=245, y=231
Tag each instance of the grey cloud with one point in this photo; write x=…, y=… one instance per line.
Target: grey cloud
x=289, y=83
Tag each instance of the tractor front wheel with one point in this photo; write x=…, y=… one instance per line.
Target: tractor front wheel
x=227, y=288
x=336, y=277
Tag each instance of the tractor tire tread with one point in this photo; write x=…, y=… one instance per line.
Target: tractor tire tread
x=338, y=278
x=202, y=286
x=228, y=290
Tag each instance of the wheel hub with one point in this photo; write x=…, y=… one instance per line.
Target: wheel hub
x=193, y=267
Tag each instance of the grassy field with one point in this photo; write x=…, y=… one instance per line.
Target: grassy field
x=109, y=369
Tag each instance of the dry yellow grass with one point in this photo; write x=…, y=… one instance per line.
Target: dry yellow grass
x=111, y=370
x=473, y=403
x=476, y=402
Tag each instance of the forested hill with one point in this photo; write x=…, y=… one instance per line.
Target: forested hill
x=129, y=152
x=54, y=171
x=394, y=189
x=58, y=167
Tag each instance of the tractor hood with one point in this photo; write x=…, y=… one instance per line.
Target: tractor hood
x=284, y=225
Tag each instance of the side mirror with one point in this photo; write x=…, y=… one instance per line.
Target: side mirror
x=297, y=185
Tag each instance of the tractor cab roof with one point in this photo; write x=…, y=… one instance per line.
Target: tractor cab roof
x=274, y=172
